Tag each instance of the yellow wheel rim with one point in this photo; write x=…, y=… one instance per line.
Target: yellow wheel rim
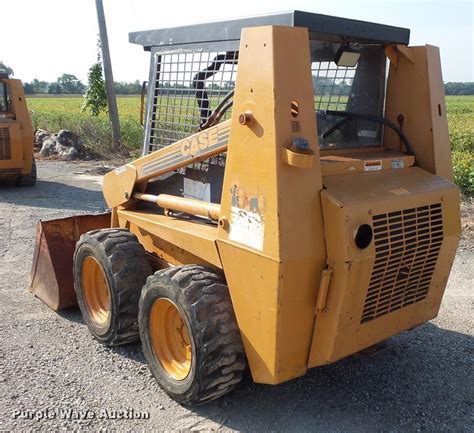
x=169, y=338
x=96, y=291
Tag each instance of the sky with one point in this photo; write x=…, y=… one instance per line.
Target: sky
x=46, y=38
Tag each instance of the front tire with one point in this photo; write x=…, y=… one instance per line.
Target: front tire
x=189, y=334
x=29, y=180
x=110, y=268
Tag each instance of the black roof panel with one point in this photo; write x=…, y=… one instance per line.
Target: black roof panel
x=322, y=27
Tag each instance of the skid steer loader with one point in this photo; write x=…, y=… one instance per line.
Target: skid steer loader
x=293, y=205
x=17, y=164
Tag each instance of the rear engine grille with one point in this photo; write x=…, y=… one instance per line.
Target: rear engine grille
x=5, y=145
x=407, y=245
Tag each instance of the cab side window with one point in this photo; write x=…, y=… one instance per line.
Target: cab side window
x=4, y=102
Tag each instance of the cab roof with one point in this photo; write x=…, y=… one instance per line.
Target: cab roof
x=321, y=27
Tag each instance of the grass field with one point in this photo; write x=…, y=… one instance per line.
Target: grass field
x=55, y=113
x=461, y=132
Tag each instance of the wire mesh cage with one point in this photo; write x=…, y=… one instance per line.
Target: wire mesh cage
x=195, y=66
x=187, y=87
x=331, y=85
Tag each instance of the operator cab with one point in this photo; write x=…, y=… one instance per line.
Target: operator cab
x=349, y=103
x=340, y=89
x=192, y=77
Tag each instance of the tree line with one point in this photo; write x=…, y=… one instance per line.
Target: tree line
x=69, y=84
x=466, y=88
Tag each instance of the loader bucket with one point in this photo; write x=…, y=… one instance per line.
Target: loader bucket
x=51, y=277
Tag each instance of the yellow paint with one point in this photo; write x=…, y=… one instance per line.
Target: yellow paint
x=415, y=89
x=119, y=184
x=196, y=238
x=96, y=291
x=274, y=289
x=352, y=200
x=17, y=122
x=169, y=337
x=301, y=288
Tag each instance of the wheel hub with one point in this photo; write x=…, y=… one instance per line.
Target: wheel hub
x=96, y=291
x=169, y=338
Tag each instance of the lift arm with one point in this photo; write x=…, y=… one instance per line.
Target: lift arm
x=119, y=184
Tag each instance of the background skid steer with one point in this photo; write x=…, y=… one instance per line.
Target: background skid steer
x=294, y=198
x=17, y=164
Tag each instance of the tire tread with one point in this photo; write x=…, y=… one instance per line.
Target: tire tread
x=214, y=321
x=126, y=259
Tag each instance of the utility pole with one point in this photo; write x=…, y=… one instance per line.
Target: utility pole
x=109, y=79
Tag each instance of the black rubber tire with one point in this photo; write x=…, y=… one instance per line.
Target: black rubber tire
x=126, y=267
x=29, y=180
x=203, y=300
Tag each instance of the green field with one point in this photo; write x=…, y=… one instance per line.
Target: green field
x=55, y=113
x=461, y=133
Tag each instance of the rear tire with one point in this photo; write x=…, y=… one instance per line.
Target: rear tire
x=200, y=298
x=110, y=268
x=29, y=180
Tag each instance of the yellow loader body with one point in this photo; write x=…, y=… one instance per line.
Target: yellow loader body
x=16, y=134
x=326, y=248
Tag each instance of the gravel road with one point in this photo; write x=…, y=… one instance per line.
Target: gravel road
x=53, y=375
